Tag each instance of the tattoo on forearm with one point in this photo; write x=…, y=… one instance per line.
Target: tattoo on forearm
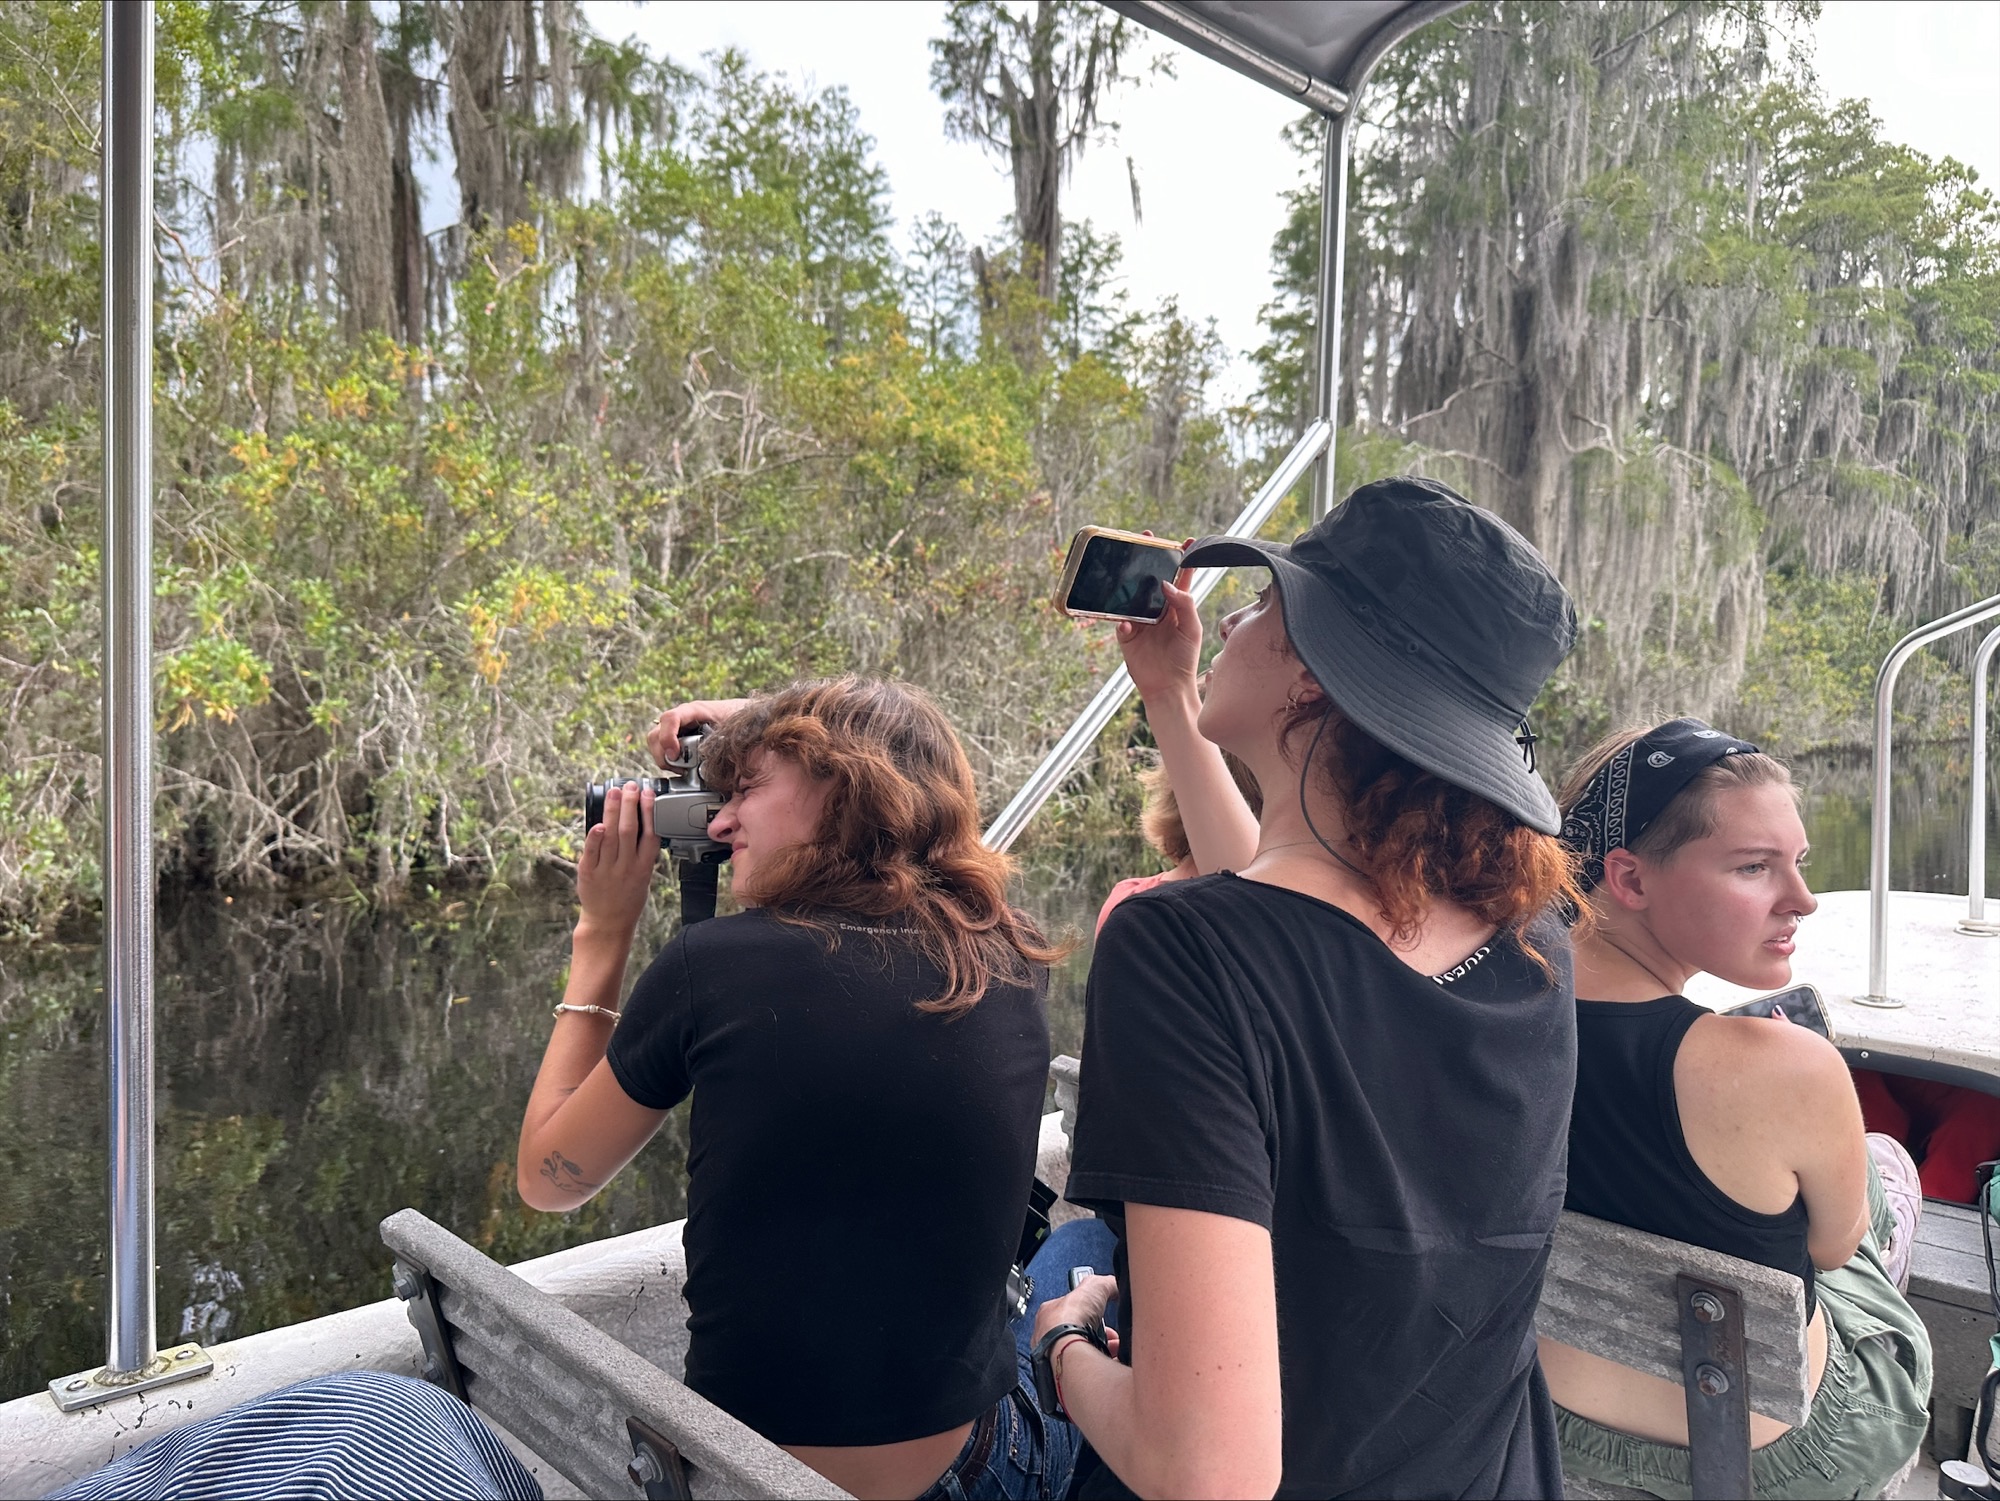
x=566, y=1175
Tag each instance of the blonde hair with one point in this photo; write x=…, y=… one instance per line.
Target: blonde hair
x=1160, y=819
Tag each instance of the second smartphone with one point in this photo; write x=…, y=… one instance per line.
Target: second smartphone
x=1113, y=575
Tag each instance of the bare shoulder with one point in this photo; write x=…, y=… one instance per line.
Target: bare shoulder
x=1770, y=1068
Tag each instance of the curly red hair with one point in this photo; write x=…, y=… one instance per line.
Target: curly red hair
x=1422, y=839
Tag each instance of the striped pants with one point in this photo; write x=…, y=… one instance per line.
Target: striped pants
x=359, y=1433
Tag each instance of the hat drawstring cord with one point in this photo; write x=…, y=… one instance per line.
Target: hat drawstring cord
x=1305, y=812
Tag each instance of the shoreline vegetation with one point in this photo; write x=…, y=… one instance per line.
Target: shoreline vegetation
x=675, y=405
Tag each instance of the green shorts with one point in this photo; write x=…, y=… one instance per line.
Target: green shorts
x=1867, y=1418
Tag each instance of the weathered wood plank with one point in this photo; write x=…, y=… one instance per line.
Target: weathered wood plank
x=1948, y=1263
x=531, y=1356
x=1960, y=1354
x=1609, y=1291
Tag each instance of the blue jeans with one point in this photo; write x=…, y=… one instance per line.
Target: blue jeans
x=1014, y=1453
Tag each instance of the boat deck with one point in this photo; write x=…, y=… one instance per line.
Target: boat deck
x=1948, y=981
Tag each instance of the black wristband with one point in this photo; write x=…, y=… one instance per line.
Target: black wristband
x=1040, y=1358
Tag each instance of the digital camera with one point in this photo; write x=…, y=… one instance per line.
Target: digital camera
x=682, y=806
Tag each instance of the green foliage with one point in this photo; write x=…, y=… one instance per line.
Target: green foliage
x=698, y=432
x=443, y=521
x=1695, y=330
x=1811, y=681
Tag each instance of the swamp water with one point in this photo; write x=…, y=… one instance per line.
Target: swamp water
x=321, y=1065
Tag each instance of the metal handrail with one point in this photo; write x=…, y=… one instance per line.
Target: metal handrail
x=1332, y=279
x=1083, y=733
x=1878, y=833
x=1976, y=921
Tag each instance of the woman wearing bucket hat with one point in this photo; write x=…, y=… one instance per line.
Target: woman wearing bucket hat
x=1324, y=1099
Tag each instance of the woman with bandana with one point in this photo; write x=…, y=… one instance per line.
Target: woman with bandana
x=1740, y=1134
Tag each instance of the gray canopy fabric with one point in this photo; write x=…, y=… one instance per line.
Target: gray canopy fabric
x=1319, y=51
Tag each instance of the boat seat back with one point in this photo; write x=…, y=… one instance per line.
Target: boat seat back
x=1730, y=1333
x=595, y=1410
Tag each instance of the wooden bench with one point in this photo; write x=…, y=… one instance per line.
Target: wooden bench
x=1948, y=1290
x=611, y=1421
x=1730, y=1332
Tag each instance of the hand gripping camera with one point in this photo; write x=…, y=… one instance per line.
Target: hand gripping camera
x=682, y=809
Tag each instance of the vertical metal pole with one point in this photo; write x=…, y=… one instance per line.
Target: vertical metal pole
x=1878, y=829
x=1332, y=282
x=1975, y=835
x=127, y=801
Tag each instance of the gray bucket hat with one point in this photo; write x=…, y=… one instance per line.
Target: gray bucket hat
x=1430, y=623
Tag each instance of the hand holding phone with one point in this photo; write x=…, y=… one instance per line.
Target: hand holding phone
x=1113, y=575
x=1800, y=1004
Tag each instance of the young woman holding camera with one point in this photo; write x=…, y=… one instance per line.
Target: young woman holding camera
x=1336, y=1082
x=1741, y=1134
x=866, y=1048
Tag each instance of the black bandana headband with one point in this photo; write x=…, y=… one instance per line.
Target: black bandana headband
x=1634, y=787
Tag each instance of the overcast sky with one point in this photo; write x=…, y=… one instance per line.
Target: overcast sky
x=1204, y=145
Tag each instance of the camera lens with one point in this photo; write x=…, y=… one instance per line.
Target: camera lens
x=593, y=796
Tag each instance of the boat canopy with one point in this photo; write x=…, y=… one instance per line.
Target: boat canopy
x=1319, y=53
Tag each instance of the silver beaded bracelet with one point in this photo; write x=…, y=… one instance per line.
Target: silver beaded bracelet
x=589, y=1010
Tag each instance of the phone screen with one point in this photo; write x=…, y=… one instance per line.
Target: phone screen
x=1801, y=1004
x=1116, y=577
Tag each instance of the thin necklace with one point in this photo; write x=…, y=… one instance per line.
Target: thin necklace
x=1642, y=964
x=1290, y=844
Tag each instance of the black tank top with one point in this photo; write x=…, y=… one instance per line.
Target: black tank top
x=1628, y=1159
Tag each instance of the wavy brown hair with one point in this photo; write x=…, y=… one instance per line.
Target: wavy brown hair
x=900, y=836
x=1422, y=839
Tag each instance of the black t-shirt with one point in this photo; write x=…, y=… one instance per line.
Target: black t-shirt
x=857, y=1172
x=1254, y=1052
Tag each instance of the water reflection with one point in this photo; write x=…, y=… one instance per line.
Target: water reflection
x=322, y=1066
x=1928, y=811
